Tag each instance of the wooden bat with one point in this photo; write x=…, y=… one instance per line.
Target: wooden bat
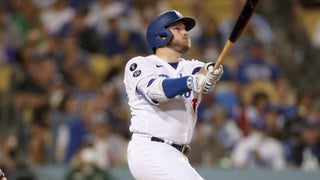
x=241, y=22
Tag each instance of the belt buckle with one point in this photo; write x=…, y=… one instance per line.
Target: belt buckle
x=185, y=149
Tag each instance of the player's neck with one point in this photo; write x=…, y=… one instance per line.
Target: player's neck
x=168, y=55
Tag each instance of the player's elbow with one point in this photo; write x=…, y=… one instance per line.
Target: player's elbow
x=155, y=91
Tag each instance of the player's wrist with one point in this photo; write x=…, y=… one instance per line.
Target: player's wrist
x=190, y=82
x=196, y=82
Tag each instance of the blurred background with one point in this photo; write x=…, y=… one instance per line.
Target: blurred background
x=64, y=112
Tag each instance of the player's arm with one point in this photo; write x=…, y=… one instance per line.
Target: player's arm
x=157, y=90
x=161, y=89
x=203, y=79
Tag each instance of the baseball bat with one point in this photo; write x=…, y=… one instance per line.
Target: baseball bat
x=240, y=24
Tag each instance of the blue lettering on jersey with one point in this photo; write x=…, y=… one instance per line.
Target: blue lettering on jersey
x=186, y=94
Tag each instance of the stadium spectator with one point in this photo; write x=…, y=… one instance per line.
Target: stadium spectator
x=207, y=149
x=258, y=150
x=256, y=66
x=316, y=36
x=59, y=120
x=211, y=40
x=102, y=11
x=7, y=53
x=70, y=58
x=306, y=152
x=85, y=167
x=39, y=135
x=12, y=160
x=54, y=17
x=108, y=147
x=122, y=39
x=258, y=27
x=79, y=128
x=86, y=36
x=11, y=34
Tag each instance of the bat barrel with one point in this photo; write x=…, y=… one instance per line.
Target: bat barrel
x=243, y=19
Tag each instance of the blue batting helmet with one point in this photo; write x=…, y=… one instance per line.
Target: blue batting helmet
x=157, y=32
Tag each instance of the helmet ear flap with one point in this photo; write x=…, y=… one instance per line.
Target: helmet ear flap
x=162, y=38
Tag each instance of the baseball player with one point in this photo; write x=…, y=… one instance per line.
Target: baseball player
x=164, y=91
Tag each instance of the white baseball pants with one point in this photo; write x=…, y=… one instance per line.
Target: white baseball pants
x=149, y=160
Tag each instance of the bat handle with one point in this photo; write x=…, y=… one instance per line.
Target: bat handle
x=223, y=54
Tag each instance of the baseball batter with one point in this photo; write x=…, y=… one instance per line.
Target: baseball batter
x=164, y=91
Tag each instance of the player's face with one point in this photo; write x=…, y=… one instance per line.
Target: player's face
x=181, y=41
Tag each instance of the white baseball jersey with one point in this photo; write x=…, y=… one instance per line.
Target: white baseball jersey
x=173, y=120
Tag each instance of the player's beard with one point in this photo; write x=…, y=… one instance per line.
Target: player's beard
x=181, y=46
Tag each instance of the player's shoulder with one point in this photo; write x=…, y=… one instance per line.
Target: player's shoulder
x=193, y=62
x=140, y=60
x=137, y=59
x=133, y=62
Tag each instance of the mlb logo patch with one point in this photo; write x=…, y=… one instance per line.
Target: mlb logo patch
x=136, y=73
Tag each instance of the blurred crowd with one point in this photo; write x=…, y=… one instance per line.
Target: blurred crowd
x=62, y=99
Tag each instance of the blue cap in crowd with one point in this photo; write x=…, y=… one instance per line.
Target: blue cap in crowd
x=311, y=123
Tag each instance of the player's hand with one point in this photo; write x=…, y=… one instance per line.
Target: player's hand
x=196, y=82
x=213, y=76
x=208, y=87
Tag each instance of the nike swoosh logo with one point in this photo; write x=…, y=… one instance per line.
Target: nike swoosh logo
x=159, y=66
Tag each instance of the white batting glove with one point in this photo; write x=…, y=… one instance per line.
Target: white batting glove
x=213, y=76
x=196, y=82
x=208, y=87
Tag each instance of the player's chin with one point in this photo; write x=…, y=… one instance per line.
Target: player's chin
x=186, y=47
x=182, y=49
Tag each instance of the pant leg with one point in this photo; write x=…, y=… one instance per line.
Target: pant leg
x=158, y=161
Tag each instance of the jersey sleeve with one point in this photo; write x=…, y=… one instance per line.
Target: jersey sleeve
x=137, y=70
x=195, y=65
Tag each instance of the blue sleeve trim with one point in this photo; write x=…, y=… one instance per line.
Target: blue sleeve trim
x=195, y=70
x=150, y=82
x=175, y=86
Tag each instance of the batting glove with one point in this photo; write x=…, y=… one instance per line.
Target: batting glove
x=208, y=87
x=213, y=76
x=196, y=82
